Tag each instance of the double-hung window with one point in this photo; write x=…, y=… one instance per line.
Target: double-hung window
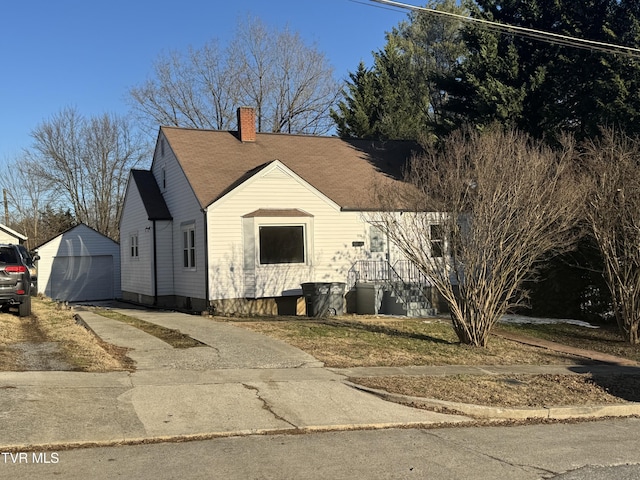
x=436, y=236
x=133, y=242
x=189, y=246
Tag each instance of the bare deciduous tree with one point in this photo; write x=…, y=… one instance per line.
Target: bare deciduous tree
x=26, y=195
x=196, y=90
x=290, y=84
x=499, y=202
x=613, y=213
x=86, y=161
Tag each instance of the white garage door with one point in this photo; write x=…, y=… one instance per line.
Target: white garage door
x=75, y=279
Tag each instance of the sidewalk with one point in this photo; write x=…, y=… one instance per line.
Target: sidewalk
x=597, y=364
x=238, y=383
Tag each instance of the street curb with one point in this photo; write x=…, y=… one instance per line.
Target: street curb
x=500, y=413
x=196, y=437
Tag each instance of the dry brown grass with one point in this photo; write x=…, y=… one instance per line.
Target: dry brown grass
x=11, y=332
x=383, y=341
x=173, y=337
x=50, y=322
x=513, y=390
x=371, y=341
x=606, y=338
x=10, y=329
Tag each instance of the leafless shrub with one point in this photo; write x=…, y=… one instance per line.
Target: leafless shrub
x=499, y=202
x=613, y=213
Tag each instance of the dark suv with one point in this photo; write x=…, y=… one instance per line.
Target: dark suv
x=29, y=260
x=15, y=280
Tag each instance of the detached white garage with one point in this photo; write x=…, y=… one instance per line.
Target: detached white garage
x=11, y=236
x=79, y=265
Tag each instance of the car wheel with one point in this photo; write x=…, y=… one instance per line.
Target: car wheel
x=24, y=309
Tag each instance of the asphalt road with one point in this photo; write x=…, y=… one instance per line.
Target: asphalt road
x=598, y=450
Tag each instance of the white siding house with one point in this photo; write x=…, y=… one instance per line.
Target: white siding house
x=238, y=221
x=79, y=265
x=8, y=235
x=146, y=242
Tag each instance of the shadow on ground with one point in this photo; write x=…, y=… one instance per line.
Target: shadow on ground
x=625, y=384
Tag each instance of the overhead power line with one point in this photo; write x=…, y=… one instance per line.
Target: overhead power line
x=548, y=37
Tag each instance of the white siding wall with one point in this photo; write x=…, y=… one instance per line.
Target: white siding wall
x=6, y=237
x=329, y=243
x=164, y=257
x=81, y=243
x=184, y=207
x=391, y=252
x=137, y=273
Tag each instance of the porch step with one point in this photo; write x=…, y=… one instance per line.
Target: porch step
x=422, y=312
x=383, y=288
x=410, y=300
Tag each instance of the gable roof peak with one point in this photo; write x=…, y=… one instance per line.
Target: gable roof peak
x=344, y=170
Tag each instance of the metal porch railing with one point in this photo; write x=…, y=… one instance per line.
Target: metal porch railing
x=404, y=276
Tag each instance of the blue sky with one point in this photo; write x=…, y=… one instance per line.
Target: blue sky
x=84, y=54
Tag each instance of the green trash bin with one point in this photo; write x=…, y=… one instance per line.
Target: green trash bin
x=323, y=299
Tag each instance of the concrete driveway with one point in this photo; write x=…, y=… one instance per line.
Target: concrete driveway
x=238, y=383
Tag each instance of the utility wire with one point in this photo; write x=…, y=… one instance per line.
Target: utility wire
x=548, y=37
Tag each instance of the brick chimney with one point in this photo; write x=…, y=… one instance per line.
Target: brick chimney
x=246, y=124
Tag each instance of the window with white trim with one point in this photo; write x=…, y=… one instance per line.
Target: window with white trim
x=189, y=246
x=280, y=244
x=376, y=239
x=436, y=238
x=133, y=243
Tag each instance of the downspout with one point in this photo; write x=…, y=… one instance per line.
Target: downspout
x=206, y=262
x=155, y=266
x=388, y=255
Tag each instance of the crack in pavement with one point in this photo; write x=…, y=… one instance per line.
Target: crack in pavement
x=462, y=445
x=266, y=406
x=310, y=364
x=215, y=349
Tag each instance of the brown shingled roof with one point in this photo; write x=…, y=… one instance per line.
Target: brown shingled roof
x=152, y=199
x=343, y=170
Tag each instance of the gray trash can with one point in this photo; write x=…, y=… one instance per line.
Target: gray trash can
x=323, y=298
x=336, y=298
